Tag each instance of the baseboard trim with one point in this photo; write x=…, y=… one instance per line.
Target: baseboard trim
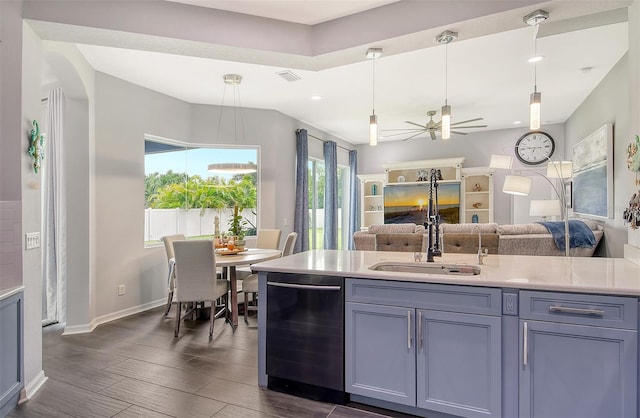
x=86, y=328
x=33, y=386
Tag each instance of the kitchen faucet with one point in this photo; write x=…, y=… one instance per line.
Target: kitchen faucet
x=481, y=254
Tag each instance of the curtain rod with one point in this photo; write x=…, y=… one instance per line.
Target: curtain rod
x=320, y=139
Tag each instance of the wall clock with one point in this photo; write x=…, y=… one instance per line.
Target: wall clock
x=535, y=148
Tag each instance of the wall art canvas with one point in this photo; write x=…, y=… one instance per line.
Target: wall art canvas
x=408, y=203
x=593, y=174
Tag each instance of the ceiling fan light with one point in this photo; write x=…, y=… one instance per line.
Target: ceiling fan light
x=446, y=122
x=373, y=130
x=534, y=110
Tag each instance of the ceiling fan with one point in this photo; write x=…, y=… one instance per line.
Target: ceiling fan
x=432, y=127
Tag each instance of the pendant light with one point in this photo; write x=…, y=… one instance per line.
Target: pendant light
x=373, y=54
x=535, y=100
x=234, y=81
x=445, y=124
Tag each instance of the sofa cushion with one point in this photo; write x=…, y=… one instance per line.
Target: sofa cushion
x=468, y=243
x=522, y=229
x=396, y=229
x=468, y=228
x=399, y=242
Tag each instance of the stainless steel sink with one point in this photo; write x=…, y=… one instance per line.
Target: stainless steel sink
x=427, y=268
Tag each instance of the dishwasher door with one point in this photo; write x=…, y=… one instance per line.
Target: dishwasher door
x=305, y=335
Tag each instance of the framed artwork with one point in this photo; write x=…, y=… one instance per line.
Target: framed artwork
x=593, y=174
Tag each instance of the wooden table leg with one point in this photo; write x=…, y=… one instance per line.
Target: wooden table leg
x=234, y=297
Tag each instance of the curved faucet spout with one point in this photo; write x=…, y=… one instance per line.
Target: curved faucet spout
x=481, y=254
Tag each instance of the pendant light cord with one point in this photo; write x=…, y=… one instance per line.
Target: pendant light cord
x=535, y=55
x=373, y=101
x=446, y=72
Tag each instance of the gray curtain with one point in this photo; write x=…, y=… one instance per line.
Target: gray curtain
x=353, y=197
x=54, y=249
x=301, y=216
x=330, y=196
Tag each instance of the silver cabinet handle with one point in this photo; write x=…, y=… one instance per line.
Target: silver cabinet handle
x=303, y=286
x=525, y=349
x=578, y=311
x=409, y=330
x=419, y=325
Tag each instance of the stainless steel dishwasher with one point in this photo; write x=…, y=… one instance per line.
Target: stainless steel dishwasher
x=305, y=335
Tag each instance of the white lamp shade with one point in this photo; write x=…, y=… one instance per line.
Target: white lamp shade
x=544, y=208
x=501, y=161
x=373, y=130
x=518, y=185
x=560, y=169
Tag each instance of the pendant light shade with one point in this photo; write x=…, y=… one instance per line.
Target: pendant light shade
x=446, y=121
x=445, y=124
x=534, y=110
x=535, y=100
x=372, y=54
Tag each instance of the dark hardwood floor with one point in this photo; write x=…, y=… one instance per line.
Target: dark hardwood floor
x=133, y=367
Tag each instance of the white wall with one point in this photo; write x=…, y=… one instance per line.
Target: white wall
x=634, y=99
x=608, y=103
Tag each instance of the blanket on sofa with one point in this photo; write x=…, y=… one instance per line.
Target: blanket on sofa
x=580, y=235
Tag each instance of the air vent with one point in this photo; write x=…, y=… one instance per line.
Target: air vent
x=288, y=75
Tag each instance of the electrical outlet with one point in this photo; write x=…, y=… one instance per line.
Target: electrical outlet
x=509, y=304
x=121, y=289
x=31, y=240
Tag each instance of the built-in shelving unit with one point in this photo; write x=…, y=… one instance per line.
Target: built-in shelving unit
x=418, y=171
x=372, y=199
x=477, y=195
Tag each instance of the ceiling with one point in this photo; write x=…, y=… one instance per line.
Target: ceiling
x=487, y=70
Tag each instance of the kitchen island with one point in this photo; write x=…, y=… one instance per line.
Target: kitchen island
x=527, y=336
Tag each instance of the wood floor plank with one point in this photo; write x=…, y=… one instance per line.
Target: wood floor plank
x=234, y=411
x=78, y=402
x=186, y=380
x=220, y=367
x=264, y=400
x=79, y=375
x=84, y=356
x=135, y=411
x=164, y=400
x=34, y=409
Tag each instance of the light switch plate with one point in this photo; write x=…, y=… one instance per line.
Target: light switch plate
x=31, y=240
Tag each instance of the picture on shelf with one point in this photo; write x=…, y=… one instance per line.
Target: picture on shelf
x=408, y=203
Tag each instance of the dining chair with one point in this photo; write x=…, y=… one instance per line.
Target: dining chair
x=250, y=284
x=268, y=238
x=168, y=241
x=196, y=280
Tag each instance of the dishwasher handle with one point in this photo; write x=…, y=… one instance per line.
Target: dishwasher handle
x=304, y=286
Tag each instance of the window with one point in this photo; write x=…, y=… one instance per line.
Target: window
x=183, y=197
x=316, y=203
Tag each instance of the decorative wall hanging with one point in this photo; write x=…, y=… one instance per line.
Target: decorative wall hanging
x=36, y=145
x=631, y=214
x=593, y=174
x=633, y=158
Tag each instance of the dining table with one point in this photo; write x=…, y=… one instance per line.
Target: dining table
x=229, y=260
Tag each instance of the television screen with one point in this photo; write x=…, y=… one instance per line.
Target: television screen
x=408, y=203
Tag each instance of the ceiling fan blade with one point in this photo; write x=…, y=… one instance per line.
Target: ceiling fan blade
x=458, y=133
x=475, y=126
x=433, y=135
x=405, y=129
x=416, y=124
x=466, y=121
x=417, y=131
x=412, y=136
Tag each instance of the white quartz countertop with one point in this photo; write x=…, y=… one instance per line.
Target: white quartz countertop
x=615, y=276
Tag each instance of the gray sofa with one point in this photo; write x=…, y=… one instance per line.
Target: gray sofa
x=518, y=239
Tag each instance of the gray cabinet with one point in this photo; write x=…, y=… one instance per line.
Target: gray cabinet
x=11, y=377
x=579, y=355
x=433, y=359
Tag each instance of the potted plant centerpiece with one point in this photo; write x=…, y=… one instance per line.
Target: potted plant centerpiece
x=238, y=228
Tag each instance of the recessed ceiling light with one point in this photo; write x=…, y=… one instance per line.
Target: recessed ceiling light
x=536, y=59
x=316, y=97
x=517, y=122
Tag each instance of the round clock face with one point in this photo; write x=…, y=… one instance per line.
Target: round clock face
x=535, y=148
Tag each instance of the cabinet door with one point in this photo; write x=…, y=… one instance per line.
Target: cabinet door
x=577, y=371
x=380, y=352
x=459, y=368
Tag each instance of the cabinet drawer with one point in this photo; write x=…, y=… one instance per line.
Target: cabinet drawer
x=454, y=298
x=582, y=309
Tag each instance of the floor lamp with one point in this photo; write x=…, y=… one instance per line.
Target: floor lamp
x=521, y=185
